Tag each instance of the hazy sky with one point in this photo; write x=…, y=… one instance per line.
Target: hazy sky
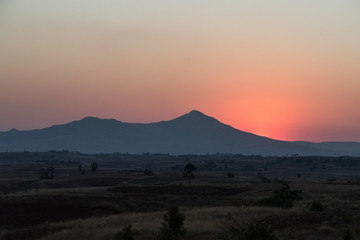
x=285, y=69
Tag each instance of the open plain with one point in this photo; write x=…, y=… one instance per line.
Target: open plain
x=228, y=193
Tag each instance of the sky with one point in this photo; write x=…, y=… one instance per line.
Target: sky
x=288, y=70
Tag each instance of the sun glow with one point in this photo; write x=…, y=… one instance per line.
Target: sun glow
x=265, y=114
x=262, y=68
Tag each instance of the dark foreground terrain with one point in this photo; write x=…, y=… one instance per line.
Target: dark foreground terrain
x=231, y=197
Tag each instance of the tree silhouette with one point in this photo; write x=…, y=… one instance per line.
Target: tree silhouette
x=173, y=225
x=249, y=232
x=189, y=171
x=126, y=233
x=47, y=173
x=348, y=235
x=283, y=197
x=52, y=170
x=94, y=167
x=230, y=176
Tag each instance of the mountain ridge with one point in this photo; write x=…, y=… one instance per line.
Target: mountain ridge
x=191, y=133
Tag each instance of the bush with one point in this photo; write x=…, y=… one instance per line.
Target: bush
x=94, y=167
x=256, y=232
x=230, y=175
x=148, y=172
x=189, y=171
x=317, y=206
x=348, y=235
x=250, y=232
x=172, y=226
x=125, y=234
x=283, y=197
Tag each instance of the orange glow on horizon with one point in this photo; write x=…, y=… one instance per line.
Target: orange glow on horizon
x=265, y=114
x=261, y=68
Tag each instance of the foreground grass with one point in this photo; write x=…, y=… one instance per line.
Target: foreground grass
x=205, y=223
x=202, y=222
x=99, y=213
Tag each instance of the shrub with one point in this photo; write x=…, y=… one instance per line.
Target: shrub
x=125, y=234
x=283, y=197
x=317, y=206
x=189, y=171
x=265, y=180
x=250, y=232
x=256, y=232
x=172, y=226
x=348, y=235
x=94, y=167
x=230, y=175
x=148, y=172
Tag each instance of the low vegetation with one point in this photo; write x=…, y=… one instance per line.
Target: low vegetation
x=173, y=225
x=129, y=197
x=127, y=233
x=284, y=197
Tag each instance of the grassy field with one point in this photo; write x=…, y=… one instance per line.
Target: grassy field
x=97, y=206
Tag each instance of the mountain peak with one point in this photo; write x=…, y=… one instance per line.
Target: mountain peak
x=195, y=117
x=13, y=130
x=196, y=113
x=89, y=118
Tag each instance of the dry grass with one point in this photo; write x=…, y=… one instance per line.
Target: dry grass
x=209, y=220
x=203, y=220
x=208, y=207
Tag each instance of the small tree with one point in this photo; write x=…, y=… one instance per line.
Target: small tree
x=317, y=206
x=249, y=232
x=94, y=167
x=42, y=173
x=189, y=171
x=47, y=173
x=125, y=234
x=52, y=170
x=148, y=172
x=80, y=169
x=283, y=197
x=348, y=235
x=230, y=176
x=173, y=225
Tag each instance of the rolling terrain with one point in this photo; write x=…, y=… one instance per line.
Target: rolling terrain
x=125, y=189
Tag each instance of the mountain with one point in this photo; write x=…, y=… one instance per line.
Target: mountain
x=192, y=133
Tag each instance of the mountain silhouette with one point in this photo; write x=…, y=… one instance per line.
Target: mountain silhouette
x=192, y=133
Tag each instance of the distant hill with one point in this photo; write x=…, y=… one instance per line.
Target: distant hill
x=192, y=133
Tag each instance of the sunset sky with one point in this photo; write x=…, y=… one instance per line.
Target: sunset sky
x=288, y=70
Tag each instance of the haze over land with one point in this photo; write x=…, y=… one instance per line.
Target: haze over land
x=282, y=69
